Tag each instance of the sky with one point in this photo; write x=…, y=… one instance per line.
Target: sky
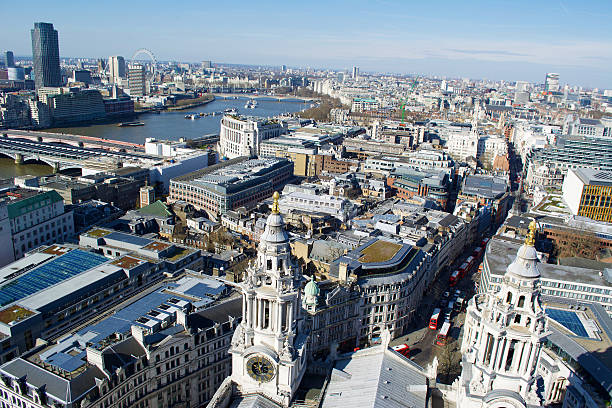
x=495, y=39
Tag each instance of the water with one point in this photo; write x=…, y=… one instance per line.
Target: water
x=173, y=125
x=166, y=125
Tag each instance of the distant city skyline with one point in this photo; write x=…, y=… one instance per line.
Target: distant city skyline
x=509, y=40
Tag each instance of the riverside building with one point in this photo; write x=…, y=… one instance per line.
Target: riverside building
x=242, y=135
x=45, y=56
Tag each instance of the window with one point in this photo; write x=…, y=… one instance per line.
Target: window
x=521, y=301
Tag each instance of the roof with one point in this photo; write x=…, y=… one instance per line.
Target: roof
x=156, y=209
x=49, y=274
x=375, y=377
x=19, y=207
x=592, y=176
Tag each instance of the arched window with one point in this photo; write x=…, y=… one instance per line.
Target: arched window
x=521, y=301
x=509, y=297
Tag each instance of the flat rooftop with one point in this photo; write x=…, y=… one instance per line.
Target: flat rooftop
x=48, y=274
x=148, y=311
x=484, y=186
x=594, y=177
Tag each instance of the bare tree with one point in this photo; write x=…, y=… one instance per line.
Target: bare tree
x=449, y=359
x=583, y=244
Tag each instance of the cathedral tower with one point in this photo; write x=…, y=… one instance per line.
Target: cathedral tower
x=269, y=346
x=503, y=337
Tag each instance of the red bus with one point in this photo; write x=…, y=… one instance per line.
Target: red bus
x=454, y=278
x=463, y=269
x=470, y=262
x=443, y=335
x=403, y=349
x=435, y=317
x=484, y=242
x=477, y=252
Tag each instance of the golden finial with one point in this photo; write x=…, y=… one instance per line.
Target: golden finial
x=275, y=209
x=530, y=240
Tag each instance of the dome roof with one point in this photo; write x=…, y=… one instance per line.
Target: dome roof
x=274, y=232
x=311, y=288
x=525, y=265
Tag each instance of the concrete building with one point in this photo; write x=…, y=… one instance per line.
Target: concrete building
x=588, y=193
x=307, y=202
x=600, y=128
x=73, y=105
x=36, y=218
x=364, y=105
x=137, y=81
x=355, y=73
x=116, y=68
x=165, y=348
x=241, y=182
x=242, y=136
x=45, y=56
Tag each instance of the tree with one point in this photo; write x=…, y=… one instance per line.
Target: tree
x=449, y=361
x=583, y=244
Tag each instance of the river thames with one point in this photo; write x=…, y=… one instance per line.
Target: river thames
x=166, y=126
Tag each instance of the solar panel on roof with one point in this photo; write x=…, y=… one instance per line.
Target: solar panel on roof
x=51, y=273
x=130, y=239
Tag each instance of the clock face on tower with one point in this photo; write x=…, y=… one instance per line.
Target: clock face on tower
x=260, y=368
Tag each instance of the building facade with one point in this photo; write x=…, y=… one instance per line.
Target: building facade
x=588, y=193
x=45, y=56
x=242, y=136
x=137, y=81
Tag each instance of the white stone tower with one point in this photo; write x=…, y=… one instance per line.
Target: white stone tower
x=502, y=338
x=269, y=346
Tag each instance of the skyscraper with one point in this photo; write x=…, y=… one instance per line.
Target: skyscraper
x=552, y=82
x=45, y=55
x=116, y=67
x=137, y=81
x=10, y=59
x=355, y=72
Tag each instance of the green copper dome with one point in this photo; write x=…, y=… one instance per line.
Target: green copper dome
x=312, y=289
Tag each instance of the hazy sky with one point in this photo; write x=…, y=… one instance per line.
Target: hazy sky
x=495, y=39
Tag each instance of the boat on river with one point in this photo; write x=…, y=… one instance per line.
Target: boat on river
x=126, y=124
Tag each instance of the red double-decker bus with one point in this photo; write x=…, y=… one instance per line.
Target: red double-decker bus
x=435, y=317
x=442, y=337
x=454, y=278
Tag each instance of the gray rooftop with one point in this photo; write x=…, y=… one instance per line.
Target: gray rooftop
x=376, y=377
x=593, y=176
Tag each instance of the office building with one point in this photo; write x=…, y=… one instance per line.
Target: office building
x=81, y=75
x=487, y=191
x=551, y=84
x=137, y=81
x=241, y=182
x=116, y=68
x=36, y=218
x=355, y=74
x=9, y=59
x=364, y=105
x=45, y=56
x=408, y=182
x=242, y=135
x=307, y=202
x=73, y=105
x=16, y=74
x=206, y=64
x=588, y=193
x=561, y=282
x=600, y=128
x=166, y=348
